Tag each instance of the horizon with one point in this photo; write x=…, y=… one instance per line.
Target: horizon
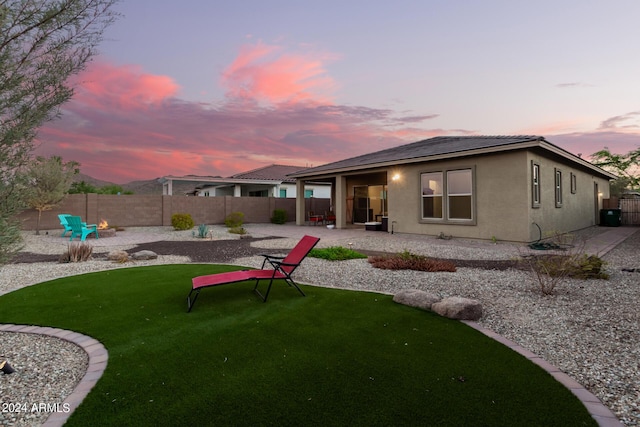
x=223, y=91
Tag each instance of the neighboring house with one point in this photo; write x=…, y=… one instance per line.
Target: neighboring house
x=510, y=188
x=268, y=181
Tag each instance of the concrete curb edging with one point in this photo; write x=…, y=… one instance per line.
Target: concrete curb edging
x=598, y=411
x=98, y=359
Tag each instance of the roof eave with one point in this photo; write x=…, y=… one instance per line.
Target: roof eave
x=474, y=152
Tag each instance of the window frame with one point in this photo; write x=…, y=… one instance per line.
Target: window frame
x=574, y=183
x=432, y=196
x=536, y=200
x=557, y=186
x=445, y=197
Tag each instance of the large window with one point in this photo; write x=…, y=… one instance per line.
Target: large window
x=448, y=195
x=535, y=185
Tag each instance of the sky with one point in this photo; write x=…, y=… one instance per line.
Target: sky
x=214, y=88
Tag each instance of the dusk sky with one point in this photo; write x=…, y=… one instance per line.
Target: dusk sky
x=218, y=87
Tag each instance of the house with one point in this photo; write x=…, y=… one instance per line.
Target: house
x=511, y=188
x=268, y=181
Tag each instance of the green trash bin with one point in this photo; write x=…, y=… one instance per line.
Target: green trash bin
x=611, y=217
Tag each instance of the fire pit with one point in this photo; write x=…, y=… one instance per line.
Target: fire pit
x=105, y=231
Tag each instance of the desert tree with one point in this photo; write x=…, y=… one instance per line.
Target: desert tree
x=626, y=166
x=42, y=44
x=49, y=181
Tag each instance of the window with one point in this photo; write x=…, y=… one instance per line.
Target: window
x=283, y=193
x=459, y=192
x=558, y=187
x=448, y=195
x=535, y=185
x=432, y=195
x=574, y=183
x=308, y=194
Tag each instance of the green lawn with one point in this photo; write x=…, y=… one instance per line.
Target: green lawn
x=334, y=357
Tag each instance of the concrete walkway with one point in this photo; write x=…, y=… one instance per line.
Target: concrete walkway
x=605, y=242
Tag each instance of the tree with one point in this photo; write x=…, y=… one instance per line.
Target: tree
x=626, y=166
x=113, y=189
x=82, y=188
x=49, y=182
x=42, y=44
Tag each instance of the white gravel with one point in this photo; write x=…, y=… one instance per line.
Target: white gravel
x=589, y=329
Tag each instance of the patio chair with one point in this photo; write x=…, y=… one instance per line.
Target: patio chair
x=315, y=218
x=277, y=268
x=81, y=229
x=330, y=217
x=65, y=224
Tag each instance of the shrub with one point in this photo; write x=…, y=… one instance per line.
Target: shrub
x=408, y=261
x=77, y=252
x=234, y=220
x=548, y=271
x=279, y=216
x=238, y=230
x=182, y=221
x=336, y=253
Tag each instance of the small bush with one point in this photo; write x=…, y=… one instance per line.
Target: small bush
x=182, y=221
x=336, y=253
x=234, y=220
x=408, y=261
x=580, y=266
x=238, y=230
x=279, y=216
x=77, y=252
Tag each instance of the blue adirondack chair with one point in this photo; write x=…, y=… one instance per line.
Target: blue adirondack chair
x=81, y=229
x=65, y=224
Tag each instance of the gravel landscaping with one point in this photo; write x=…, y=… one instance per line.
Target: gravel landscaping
x=590, y=329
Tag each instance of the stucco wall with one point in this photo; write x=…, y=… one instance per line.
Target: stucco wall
x=500, y=207
x=578, y=210
x=503, y=198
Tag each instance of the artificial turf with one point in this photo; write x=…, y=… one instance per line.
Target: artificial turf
x=335, y=357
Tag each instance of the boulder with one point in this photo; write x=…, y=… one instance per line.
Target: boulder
x=117, y=255
x=458, y=308
x=144, y=255
x=416, y=298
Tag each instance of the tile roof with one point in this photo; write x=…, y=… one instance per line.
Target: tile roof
x=272, y=172
x=440, y=145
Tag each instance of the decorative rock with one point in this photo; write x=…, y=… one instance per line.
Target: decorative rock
x=416, y=298
x=144, y=255
x=117, y=255
x=458, y=308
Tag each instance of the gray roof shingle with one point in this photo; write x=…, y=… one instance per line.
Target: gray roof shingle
x=426, y=148
x=272, y=172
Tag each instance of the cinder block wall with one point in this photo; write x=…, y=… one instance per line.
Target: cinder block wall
x=154, y=210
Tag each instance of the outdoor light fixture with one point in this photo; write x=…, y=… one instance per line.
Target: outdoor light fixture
x=6, y=368
x=395, y=177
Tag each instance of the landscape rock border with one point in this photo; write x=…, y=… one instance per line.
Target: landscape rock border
x=457, y=308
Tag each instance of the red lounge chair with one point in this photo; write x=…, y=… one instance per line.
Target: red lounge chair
x=281, y=268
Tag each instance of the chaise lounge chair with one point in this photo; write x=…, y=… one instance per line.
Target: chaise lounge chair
x=277, y=268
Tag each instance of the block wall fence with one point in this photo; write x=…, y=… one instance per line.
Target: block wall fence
x=155, y=210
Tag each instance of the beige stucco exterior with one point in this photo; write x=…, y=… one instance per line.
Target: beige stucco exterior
x=502, y=200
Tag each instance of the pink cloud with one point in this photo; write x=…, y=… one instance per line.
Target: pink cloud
x=124, y=124
x=125, y=87
x=262, y=72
